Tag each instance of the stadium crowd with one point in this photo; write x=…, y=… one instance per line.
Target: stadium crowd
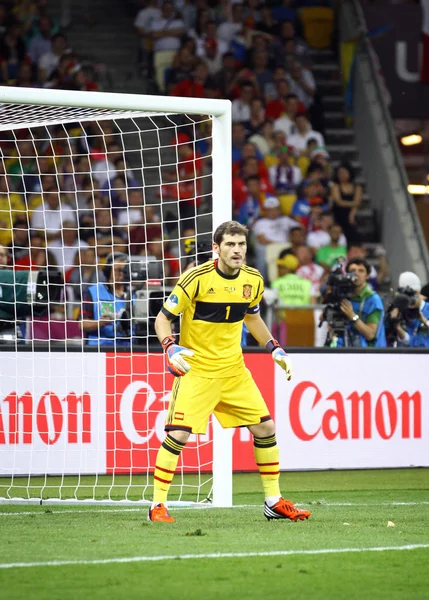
x=70, y=198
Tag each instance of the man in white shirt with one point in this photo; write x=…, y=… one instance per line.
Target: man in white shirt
x=274, y=227
x=229, y=29
x=64, y=250
x=286, y=123
x=49, y=61
x=318, y=239
x=50, y=216
x=241, y=106
x=303, y=133
x=309, y=270
x=166, y=32
x=302, y=83
x=143, y=24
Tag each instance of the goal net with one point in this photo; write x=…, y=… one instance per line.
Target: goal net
x=105, y=199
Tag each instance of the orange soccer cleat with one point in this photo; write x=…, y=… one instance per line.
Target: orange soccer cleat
x=285, y=509
x=160, y=513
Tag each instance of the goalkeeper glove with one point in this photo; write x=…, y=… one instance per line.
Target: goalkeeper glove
x=280, y=357
x=176, y=364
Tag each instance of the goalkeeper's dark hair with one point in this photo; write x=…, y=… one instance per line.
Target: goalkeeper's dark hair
x=229, y=228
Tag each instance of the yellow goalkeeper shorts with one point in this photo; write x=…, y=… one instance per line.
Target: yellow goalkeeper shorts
x=234, y=400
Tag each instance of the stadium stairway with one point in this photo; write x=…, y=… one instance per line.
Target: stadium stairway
x=102, y=32
x=339, y=139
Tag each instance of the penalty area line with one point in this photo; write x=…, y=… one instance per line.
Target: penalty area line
x=140, y=559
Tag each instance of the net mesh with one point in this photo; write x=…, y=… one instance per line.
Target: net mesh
x=83, y=386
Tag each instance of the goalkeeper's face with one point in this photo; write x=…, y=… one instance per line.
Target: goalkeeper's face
x=232, y=253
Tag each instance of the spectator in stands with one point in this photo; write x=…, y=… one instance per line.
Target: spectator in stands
x=143, y=24
x=159, y=249
x=181, y=68
x=292, y=289
x=320, y=237
x=150, y=230
x=28, y=248
x=257, y=116
x=49, y=61
x=347, y=197
x=302, y=84
x=364, y=311
x=296, y=240
x=225, y=78
x=190, y=167
x=104, y=304
x=232, y=26
x=103, y=164
x=241, y=106
x=285, y=177
x=12, y=208
x=267, y=24
x=25, y=76
x=40, y=43
x=301, y=209
x=263, y=138
x=273, y=227
x=193, y=86
x=238, y=141
x=84, y=273
x=12, y=53
x=66, y=248
x=107, y=237
x=4, y=257
x=211, y=56
x=303, y=133
x=308, y=269
x=166, y=32
x=247, y=208
x=327, y=255
x=264, y=75
x=277, y=107
x=286, y=123
x=50, y=216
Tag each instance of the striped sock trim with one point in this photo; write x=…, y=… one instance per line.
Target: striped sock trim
x=267, y=442
x=172, y=445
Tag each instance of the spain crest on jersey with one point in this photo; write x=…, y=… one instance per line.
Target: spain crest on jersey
x=247, y=291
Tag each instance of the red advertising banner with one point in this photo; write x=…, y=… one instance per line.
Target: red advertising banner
x=137, y=396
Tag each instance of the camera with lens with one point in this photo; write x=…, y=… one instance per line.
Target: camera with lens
x=27, y=293
x=404, y=305
x=341, y=286
x=198, y=252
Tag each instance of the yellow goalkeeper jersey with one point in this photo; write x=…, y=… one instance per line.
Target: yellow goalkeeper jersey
x=213, y=306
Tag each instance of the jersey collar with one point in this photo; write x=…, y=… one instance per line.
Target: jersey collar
x=224, y=275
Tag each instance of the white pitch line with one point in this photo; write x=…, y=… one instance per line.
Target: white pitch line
x=132, y=559
x=61, y=511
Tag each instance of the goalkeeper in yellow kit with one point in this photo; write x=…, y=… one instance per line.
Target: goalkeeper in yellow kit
x=214, y=300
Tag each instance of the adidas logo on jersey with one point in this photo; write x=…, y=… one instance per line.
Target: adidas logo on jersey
x=211, y=291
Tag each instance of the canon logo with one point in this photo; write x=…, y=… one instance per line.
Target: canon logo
x=23, y=417
x=357, y=416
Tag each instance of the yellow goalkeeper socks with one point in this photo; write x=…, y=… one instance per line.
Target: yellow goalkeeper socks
x=165, y=466
x=267, y=458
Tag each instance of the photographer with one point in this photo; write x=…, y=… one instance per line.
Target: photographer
x=361, y=310
x=407, y=319
x=106, y=308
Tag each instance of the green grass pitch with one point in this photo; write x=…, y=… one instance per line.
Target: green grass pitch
x=344, y=551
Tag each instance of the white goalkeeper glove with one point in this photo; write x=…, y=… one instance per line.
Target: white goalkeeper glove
x=176, y=364
x=280, y=357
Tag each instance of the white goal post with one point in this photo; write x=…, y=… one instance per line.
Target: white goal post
x=66, y=406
